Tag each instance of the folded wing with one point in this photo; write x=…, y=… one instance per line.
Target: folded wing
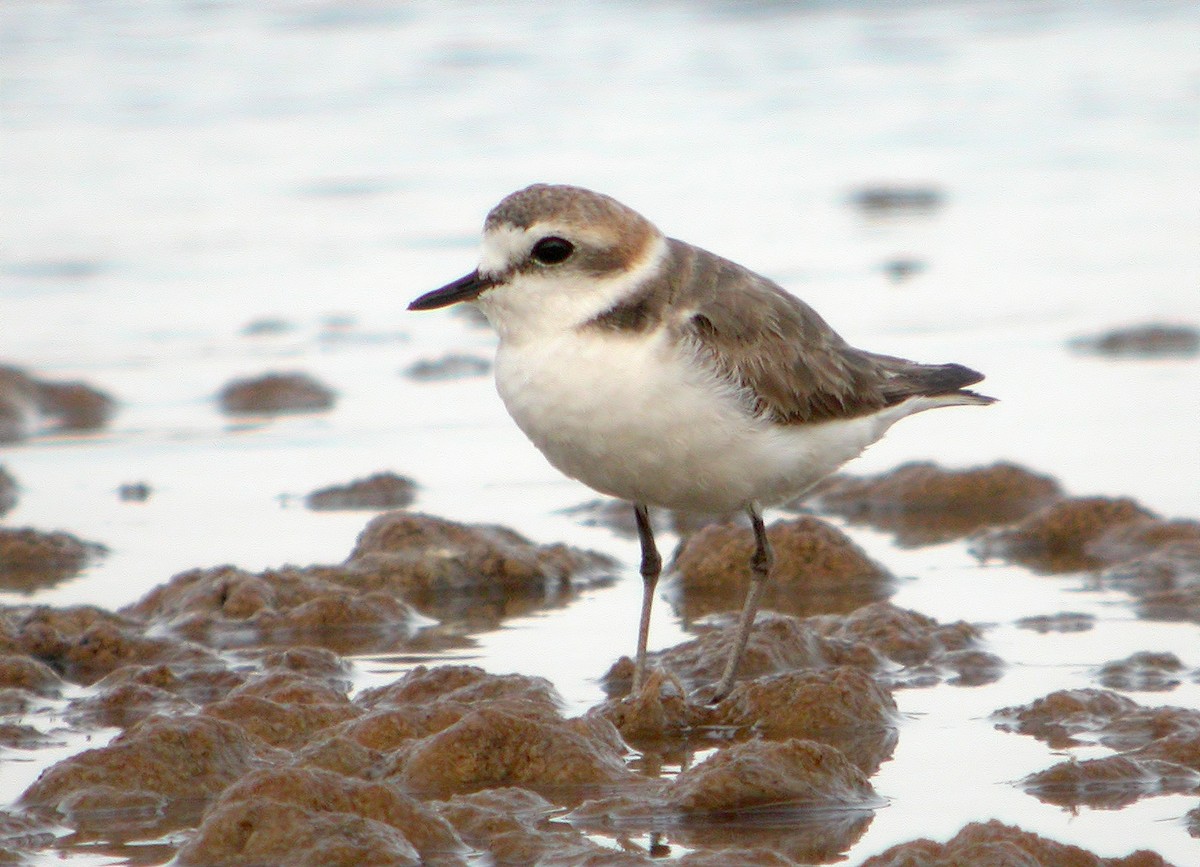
x=788, y=362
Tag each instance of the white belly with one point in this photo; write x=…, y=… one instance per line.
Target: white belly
x=630, y=417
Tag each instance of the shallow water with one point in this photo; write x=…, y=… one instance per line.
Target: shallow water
x=170, y=175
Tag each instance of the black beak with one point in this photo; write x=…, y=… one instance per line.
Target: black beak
x=462, y=289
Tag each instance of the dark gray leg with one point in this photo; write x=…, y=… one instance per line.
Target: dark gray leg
x=760, y=573
x=651, y=569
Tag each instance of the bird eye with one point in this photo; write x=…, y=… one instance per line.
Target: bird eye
x=552, y=250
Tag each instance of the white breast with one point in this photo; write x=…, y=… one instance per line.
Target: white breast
x=636, y=417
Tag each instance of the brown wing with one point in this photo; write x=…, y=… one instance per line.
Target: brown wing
x=792, y=366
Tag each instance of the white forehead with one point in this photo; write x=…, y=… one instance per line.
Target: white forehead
x=505, y=244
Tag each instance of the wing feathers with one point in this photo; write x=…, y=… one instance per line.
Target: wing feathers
x=791, y=366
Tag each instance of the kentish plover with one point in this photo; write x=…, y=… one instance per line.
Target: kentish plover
x=659, y=373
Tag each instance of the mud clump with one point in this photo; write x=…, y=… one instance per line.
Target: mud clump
x=134, y=492
x=32, y=559
x=1152, y=340
x=1155, y=559
x=125, y=704
x=1145, y=671
x=798, y=801
x=456, y=729
x=287, y=718
x=229, y=607
x=18, y=404
x=1158, y=562
x=21, y=834
x=761, y=773
x=82, y=644
x=1063, y=621
x=271, y=832
x=896, y=200
x=312, y=662
x=1061, y=716
x=1158, y=749
x=922, y=503
x=8, y=491
x=901, y=268
x=1057, y=538
x=29, y=405
x=472, y=575
x=310, y=816
x=338, y=754
x=1165, y=583
x=870, y=638
x=817, y=570
x=510, y=824
x=906, y=637
x=996, y=843
x=379, y=491
x=75, y=406
x=1140, y=538
x=388, y=726
x=274, y=394
x=489, y=748
x=465, y=684
x=134, y=692
x=450, y=366
x=1109, y=783
x=844, y=707
x=289, y=724
x=30, y=675
x=107, y=812
x=22, y=737
x=460, y=571
x=176, y=757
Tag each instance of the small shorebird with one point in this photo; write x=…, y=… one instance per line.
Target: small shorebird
x=659, y=373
